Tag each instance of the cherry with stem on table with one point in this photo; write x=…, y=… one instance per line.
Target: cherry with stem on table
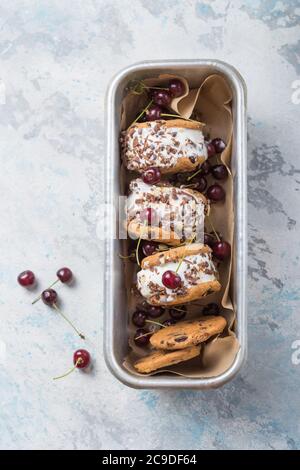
x=49, y=297
x=64, y=275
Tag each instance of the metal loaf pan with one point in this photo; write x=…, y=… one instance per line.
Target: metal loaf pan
x=115, y=326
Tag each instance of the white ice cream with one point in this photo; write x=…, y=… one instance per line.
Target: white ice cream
x=146, y=147
x=191, y=264
x=171, y=205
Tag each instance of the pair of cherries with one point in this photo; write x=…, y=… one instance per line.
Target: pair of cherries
x=81, y=357
x=162, y=99
x=215, y=192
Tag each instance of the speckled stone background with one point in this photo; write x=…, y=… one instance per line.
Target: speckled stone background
x=57, y=58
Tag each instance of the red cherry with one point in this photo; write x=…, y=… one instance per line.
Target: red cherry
x=221, y=250
x=142, y=337
x=177, y=313
x=161, y=97
x=215, y=193
x=205, y=168
x=148, y=247
x=26, y=278
x=219, y=145
x=64, y=274
x=155, y=312
x=151, y=175
x=148, y=215
x=153, y=113
x=81, y=358
x=210, y=149
x=200, y=183
x=182, y=177
x=209, y=239
x=171, y=280
x=139, y=318
x=143, y=305
x=211, y=309
x=49, y=296
x=219, y=172
x=176, y=87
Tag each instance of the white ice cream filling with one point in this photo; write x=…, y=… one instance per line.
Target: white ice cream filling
x=183, y=213
x=192, y=272
x=162, y=148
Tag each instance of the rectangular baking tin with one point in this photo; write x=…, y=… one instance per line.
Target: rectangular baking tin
x=116, y=318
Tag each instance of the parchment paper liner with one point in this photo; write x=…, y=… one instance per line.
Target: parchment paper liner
x=209, y=103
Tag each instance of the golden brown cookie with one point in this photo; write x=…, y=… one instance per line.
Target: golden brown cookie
x=179, y=212
x=175, y=254
x=185, y=123
x=173, y=146
x=193, y=264
x=160, y=359
x=187, y=333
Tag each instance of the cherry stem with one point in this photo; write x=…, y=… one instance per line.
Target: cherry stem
x=176, y=116
x=138, y=246
x=194, y=174
x=178, y=309
x=142, y=113
x=213, y=229
x=126, y=257
x=192, y=185
x=145, y=334
x=162, y=247
x=155, y=88
x=171, y=115
x=137, y=250
x=79, y=360
x=156, y=323
x=180, y=262
x=68, y=321
x=39, y=297
x=140, y=87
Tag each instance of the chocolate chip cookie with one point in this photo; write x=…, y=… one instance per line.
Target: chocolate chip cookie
x=160, y=359
x=187, y=333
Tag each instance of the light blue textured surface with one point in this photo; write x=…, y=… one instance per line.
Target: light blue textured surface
x=57, y=58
